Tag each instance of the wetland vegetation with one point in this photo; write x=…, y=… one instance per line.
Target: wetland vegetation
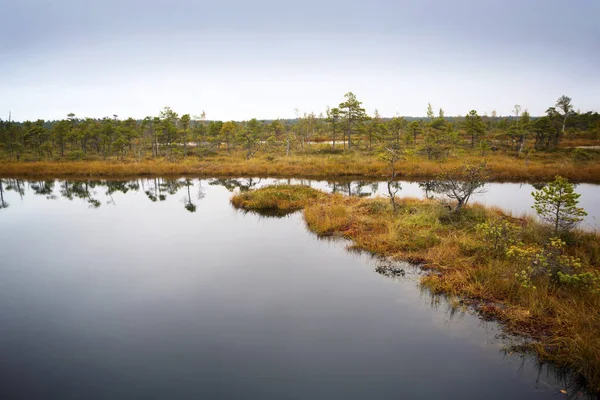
x=538, y=282
x=342, y=141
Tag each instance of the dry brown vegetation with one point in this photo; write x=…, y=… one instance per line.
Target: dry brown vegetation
x=539, y=166
x=563, y=320
x=282, y=198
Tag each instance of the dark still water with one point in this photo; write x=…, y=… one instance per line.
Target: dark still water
x=160, y=289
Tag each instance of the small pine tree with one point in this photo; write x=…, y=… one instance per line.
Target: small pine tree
x=557, y=203
x=474, y=126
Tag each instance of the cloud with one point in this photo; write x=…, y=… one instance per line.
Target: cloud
x=265, y=58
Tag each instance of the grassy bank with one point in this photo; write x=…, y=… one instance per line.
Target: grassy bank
x=467, y=261
x=357, y=164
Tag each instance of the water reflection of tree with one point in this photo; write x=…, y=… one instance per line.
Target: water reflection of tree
x=172, y=186
x=363, y=184
x=189, y=205
x=340, y=187
x=374, y=187
x=428, y=187
x=81, y=190
x=201, y=193
x=3, y=204
x=157, y=189
x=7, y=185
x=16, y=185
x=154, y=191
x=244, y=184
x=303, y=182
x=353, y=189
x=43, y=188
x=114, y=187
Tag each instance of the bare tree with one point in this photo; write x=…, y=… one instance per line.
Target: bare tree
x=460, y=183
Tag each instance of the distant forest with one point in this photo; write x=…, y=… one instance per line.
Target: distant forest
x=344, y=127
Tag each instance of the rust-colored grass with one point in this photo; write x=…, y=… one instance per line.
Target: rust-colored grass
x=539, y=166
x=564, y=321
x=277, y=197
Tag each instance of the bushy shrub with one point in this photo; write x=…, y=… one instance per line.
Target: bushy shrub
x=329, y=150
x=76, y=155
x=582, y=156
x=499, y=235
x=551, y=261
x=175, y=154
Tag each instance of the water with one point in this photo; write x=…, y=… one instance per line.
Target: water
x=160, y=289
x=512, y=197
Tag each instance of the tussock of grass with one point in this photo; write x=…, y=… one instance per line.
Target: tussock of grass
x=564, y=321
x=328, y=218
x=277, y=197
x=360, y=164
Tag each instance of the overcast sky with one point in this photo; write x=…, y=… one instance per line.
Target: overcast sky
x=238, y=59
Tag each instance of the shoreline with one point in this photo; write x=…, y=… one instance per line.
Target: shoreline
x=562, y=321
x=298, y=168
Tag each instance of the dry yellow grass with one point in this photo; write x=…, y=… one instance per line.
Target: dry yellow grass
x=541, y=166
x=278, y=197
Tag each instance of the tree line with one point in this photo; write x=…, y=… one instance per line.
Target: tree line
x=345, y=127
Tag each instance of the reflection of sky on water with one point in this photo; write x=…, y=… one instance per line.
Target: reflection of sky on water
x=513, y=197
x=138, y=297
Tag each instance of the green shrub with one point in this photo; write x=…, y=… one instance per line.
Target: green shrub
x=175, y=153
x=329, y=150
x=76, y=155
x=551, y=261
x=582, y=156
x=499, y=235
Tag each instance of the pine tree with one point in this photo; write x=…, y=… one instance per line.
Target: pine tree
x=474, y=126
x=557, y=203
x=353, y=114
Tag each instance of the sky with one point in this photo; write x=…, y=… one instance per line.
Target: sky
x=238, y=59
